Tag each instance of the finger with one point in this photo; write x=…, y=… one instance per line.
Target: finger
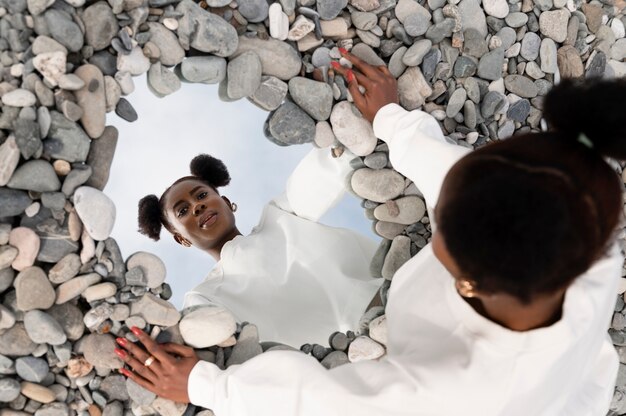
x=152, y=346
x=385, y=70
x=139, y=367
x=357, y=96
x=360, y=64
x=133, y=348
x=178, y=349
x=362, y=79
x=139, y=380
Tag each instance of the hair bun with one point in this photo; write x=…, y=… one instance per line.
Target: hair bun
x=210, y=169
x=594, y=107
x=149, y=217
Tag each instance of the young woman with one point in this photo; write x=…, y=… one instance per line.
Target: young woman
x=296, y=279
x=505, y=313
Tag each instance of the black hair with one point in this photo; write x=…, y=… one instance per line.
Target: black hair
x=527, y=215
x=205, y=168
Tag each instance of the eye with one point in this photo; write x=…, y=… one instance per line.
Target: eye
x=182, y=212
x=202, y=195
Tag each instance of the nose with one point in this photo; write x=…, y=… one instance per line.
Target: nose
x=198, y=208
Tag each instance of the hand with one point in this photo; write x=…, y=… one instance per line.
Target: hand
x=168, y=375
x=381, y=88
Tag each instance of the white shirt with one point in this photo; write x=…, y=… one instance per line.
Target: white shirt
x=443, y=358
x=296, y=279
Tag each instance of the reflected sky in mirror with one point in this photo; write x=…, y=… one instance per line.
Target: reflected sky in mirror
x=156, y=150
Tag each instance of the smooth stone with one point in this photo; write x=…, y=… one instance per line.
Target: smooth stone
x=289, y=124
x=162, y=81
x=378, y=330
x=519, y=111
x=205, y=31
x=43, y=328
x=99, y=291
x=100, y=158
x=270, y=94
x=324, y=136
x=492, y=103
x=114, y=386
x=520, y=85
x=364, y=348
x=516, y=19
x=70, y=82
x=74, y=287
x=6, y=278
x=548, y=56
x=14, y=342
x=464, y=67
x=506, y=130
x=139, y=394
x=207, y=326
x=7, y=319
x=33, y=290
x=167, y=42
x=70, y=318
x=135, y=63
x=101, y=25
x=372, y=5
x=167, y=407
x=45, y=44
x=593, y=14
x=243, y=75
x=27, y=242
x=441, y=30
x=413, y=88
x=474, y=43
x=91, y=98
x=417, y=24
x=64, y=30
x=247, y=346
x=51, y=65
x=507, y=36
x=253, y=10
x=496, y=8
x=125, y=110
x=352, y=130
x=321, y=57
x=75, y=178
x=155, y=311
x=206, y=69
x=66, y=140
x=415, y=54
x=96, y=211
x=31, y=369
x=98, y=350
x=398, y=254
x=9, y=158
x=490, y=65
x=617, y=26
x=364, y=20
x=7, y=255
x=54, y=409
x=388, y=230
x=316, y=98
x=411, y=209
x=376, y=160
x=329, y=9
x=530, y=46
x=337, y=27
x=278, y=58
x=279, y=22
x=405, y=8
x=9, y=389
x=396, y=66
x=367, y=54
x=456, y=102
x=37, y=392
x=14, y=202
x=473, y=16
x=377, y=185
x=19, y=98
x=151, y=266
x=553, y=24
x=569, y=62
x=335, y=359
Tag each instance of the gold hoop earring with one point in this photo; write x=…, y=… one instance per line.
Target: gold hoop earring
x=233, y=207
x=465, y=288
x=182, y=240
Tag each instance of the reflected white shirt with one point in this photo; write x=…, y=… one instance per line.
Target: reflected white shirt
x=443, y=358
x=296, y=279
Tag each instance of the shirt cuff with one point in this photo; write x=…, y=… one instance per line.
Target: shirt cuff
x=201, y=382
x=384, y=120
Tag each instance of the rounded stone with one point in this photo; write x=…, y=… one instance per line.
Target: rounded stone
x=99, y=351
x=377, y=185
x=15, y=342
x=19, y=98
x=31, y=369
x=96, y=211
x=70, y=318
x=151, y=266
x=411, y=209
x=207, y=326
x=378, y=329
x=101, y=25
x=205, y=31
x=277, y=58
x=289, y=124
x=316, y=98
x=364, y=348
x=553, y=24
x=9, y=389
x=206, y=69
x=27, y=242
x=37, y=392
x=33, y=290
x=243, y=75
x=352, y=130
x=43, y=328
x=253, y=10
x=35, y=175
x=99, y=291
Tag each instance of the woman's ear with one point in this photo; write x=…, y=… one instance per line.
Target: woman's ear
x=182, y=240
x=232, y=205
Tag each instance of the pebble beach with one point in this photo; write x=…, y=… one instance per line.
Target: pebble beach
x=481, y=68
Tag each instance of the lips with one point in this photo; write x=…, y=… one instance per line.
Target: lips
x=208, y=219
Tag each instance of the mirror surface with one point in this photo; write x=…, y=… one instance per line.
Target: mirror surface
x=156, y=149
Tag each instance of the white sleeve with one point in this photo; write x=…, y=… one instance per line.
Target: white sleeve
x=316, y=184
x=289, y=383
x=417, y=148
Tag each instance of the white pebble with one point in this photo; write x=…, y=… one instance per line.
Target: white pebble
x=32, y=210
x=17, y=70
x=617, y=26
x=170, y=23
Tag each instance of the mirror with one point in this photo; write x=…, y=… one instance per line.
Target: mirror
x=155, y=150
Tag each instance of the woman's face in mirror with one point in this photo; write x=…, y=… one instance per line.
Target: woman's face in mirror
x=198, y=213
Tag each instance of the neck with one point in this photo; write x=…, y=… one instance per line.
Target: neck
x=216, y=250
x=509, y=312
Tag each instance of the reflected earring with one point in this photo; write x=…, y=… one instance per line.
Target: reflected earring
x=233, y=207
x=465, y=288
x=182, y=240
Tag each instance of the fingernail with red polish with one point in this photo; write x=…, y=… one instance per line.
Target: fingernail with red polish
x=135, y=330
x=125, y=372
x=120, y=353
x=335, y=64
x=343, y=51
x=350, y=76
x=121, y=341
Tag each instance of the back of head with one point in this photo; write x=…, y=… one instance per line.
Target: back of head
x=529, y=214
